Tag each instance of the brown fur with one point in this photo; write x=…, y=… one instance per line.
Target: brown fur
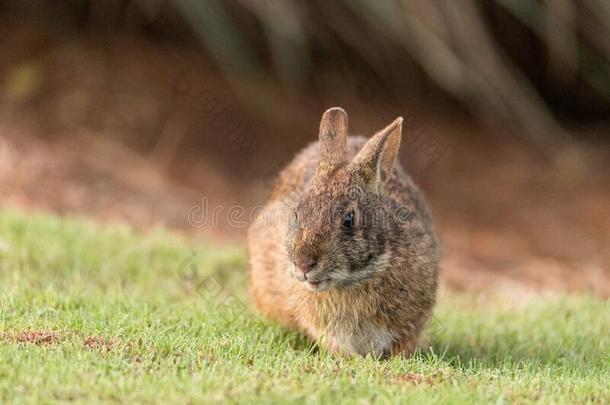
x=377, y=279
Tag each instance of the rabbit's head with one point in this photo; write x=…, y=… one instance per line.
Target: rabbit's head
x=340, y=224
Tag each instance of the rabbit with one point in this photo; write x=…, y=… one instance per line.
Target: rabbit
x=345, y=250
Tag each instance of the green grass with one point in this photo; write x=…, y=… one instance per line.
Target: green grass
x=155, y=318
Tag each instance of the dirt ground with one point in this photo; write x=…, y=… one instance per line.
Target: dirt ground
x=120, y=131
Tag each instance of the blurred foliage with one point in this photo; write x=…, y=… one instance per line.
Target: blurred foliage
x=511, y=63
x=514, y=62
x=22, y=81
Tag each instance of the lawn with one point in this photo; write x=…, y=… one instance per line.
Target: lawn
x=101, y=313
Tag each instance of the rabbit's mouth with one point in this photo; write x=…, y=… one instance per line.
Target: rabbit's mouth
x=321, y=285
x=314, y=283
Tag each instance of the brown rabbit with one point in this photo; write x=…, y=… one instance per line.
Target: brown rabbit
x=345, y=250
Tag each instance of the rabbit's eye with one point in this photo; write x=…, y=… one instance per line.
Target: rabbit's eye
x=349, y=220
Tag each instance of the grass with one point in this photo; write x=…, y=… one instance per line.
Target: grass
x=99, y=313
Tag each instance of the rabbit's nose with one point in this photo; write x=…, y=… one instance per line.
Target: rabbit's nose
x=305, y=266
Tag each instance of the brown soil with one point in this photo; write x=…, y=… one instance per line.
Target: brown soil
x=52, y=338
x=414, y=379
x=39, y=338
x=99, y=343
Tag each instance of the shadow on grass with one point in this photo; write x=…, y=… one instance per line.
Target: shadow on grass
x=497, y=350
x=501, y=350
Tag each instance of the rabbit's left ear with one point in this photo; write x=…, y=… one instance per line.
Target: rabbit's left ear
x=333, y=138
x=375, y=160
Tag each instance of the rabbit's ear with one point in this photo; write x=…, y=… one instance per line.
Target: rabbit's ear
x=333, y=138
x=376, y=158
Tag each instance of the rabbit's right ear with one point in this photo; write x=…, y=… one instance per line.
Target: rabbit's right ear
x=375, y=161
x=333, y=139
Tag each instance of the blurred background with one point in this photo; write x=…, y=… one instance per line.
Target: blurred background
x=148, y=112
